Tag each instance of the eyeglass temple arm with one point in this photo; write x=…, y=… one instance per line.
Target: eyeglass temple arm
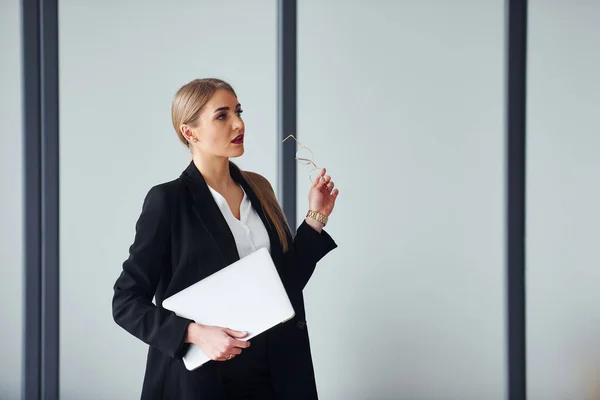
x=308, y=161
x=293, y=137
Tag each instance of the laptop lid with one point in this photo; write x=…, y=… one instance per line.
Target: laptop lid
x=247, y=295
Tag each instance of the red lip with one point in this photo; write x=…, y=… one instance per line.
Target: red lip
x=238, y=140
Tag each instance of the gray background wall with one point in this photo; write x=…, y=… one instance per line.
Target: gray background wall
x=403, y=102
x=11, y=184
x=563, y=331
x=407, y=114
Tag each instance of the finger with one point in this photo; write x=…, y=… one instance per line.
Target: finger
x=319, y=176
x=330, y=185
x=335, y=193
x=235, y=334
x=317, y=180
x=242, y=344
x=323, y=182
x=228, y=350
x=236, y=351
x=220, y=355
x=226, y=357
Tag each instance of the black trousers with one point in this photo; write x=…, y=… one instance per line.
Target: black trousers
x=247, y=377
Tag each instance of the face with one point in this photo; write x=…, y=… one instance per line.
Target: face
x=219, y=130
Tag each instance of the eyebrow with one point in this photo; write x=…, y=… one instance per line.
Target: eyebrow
x=226, y=108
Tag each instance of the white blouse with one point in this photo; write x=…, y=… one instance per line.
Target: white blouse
x=249, y=231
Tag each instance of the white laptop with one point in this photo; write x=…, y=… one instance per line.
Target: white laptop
x=247, y=295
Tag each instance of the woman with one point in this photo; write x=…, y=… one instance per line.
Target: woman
x=189, y=228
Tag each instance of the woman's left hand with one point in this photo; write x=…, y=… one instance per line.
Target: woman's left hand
x=322, y=195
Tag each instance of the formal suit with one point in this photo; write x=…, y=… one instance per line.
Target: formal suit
x=182, y=237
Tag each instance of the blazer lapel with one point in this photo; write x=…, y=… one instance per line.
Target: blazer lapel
x=208, y=211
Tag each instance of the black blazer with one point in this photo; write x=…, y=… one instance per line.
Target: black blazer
x=182, y=237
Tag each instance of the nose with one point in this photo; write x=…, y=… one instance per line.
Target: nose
x=238, y=123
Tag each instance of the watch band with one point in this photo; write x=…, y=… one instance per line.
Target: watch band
x=318, y=216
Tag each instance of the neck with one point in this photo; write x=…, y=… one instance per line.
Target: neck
x=215, y=171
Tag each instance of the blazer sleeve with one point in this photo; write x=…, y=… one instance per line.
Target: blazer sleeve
x=134, y=289
x=310, y=247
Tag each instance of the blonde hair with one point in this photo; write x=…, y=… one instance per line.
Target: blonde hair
x=186, y=108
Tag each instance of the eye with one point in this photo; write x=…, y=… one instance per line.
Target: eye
x=222, y=116
x=239, y=112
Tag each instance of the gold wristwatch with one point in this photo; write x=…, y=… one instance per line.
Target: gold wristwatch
x=318, y=216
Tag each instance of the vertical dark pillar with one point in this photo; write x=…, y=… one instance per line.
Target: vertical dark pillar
x=516, y=56
x=286, y=100
x=32, y=217
x=40, y=122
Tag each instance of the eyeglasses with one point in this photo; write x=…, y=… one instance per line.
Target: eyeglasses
x=304, y=156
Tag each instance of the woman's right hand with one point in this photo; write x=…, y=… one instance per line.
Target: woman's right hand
x=219, y=344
